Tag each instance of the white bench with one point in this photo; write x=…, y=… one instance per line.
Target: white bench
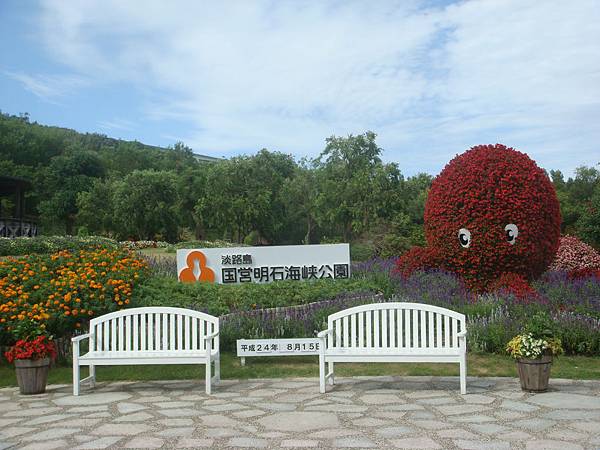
x=153, y=335
x=393, y=332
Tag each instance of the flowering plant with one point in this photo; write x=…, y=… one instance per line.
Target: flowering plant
x=527, y=346
x=537, y=339
x=39, y=348
x=63, y=291
x=33, y=342
x=490, y=211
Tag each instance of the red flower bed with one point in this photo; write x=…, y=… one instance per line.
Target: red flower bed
x=515, y=284
x=417, y=258
x=39, y=348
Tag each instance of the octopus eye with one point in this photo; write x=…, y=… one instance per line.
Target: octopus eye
x=512, y=231
x=464, y=237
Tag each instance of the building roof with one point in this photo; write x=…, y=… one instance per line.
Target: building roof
x=205, y=158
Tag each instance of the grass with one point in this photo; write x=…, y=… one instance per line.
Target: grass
x=483, y=365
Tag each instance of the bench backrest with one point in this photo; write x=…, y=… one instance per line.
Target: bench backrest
x=153, y=329
x=395, y=325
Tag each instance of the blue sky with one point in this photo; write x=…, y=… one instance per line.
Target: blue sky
x=430, y=78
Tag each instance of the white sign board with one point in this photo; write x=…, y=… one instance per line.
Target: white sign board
x=263, y=264
x=277, y=347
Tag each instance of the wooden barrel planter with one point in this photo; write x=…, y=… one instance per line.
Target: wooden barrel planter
x=32, y=375
x=535, y=373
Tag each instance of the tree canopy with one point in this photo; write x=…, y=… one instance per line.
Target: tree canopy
x=90, y=183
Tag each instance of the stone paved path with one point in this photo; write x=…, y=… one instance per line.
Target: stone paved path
x=369, y=412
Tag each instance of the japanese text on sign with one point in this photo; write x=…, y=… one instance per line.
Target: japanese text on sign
x=277, y=347
x=263, y=264
x=275, y=273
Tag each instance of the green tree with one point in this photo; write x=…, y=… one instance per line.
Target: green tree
x=96, y=208
x=145, y=205
x=299, y=195
x=345, y=171
x=574, y=196
x=589, y=221
x=66, y=177
x=244, y=195
x=191, y=188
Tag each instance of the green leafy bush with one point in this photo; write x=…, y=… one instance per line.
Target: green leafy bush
x=51, y=244
x=202, y=244
x=222, y=299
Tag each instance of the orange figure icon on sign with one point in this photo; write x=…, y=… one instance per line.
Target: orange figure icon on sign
x=196, y=264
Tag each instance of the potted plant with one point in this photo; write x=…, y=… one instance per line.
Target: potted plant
x=31, y=354
x=534, y=350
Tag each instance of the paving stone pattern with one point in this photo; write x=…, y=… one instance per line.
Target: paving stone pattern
x=361, y=412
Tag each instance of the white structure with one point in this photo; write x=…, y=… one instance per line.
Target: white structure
x=153, y=335
x=393, y=332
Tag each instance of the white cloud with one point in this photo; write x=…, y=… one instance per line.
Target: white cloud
x=117, y=124
x=47, y=87
x=432, y=81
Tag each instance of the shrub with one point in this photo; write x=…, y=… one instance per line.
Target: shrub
x=565, y=293
x=64, y=290
x=207, y=244
x=361, y=251
x=484, y=190
x=140, y=245
x=217, y=299
x=161, y=266
x=418, y=258
x=574, y=255
x=51, y=244
x=516, y=284
x=294, y=321
x=579, y=333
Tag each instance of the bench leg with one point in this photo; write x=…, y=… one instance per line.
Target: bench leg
x=463, y=375
x=208, y=363
x=217, y=369
x=76, y=377
x=332, y=378
x=93, y=376
x=322, y=374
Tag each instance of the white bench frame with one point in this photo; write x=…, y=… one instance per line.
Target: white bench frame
x=393, y=332
x=171, y=336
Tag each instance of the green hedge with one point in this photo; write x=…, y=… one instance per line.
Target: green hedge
x=51, y=244
x=222, y=299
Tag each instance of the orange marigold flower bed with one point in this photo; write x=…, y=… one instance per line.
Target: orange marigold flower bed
x=64, y=290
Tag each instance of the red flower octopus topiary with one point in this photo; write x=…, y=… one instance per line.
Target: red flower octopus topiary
x=492, y=211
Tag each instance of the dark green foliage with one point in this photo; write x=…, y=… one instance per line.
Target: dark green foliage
x=589, y=221
x=347, y=194
x=579, y=199
x=223, y=299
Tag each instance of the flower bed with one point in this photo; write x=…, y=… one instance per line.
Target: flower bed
x=575, y=255
x=140, y=245
x=287, y=322
x=52, y=244
x=64, y=290
x=494, y=318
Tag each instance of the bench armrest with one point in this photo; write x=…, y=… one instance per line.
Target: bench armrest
x=462, y=334
x=210, y=336
x=81, y=337
x=324, y=333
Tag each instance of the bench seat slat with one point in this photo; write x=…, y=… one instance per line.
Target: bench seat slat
x=131, y=354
